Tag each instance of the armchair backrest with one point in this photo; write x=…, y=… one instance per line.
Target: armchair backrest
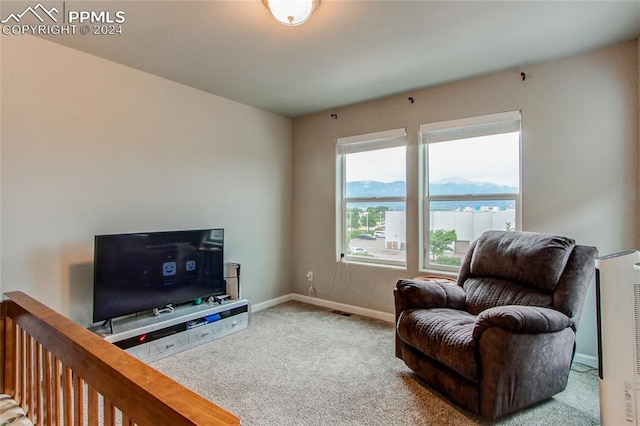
x=524, y=268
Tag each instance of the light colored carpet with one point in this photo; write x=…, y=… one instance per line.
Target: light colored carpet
x=298, y=364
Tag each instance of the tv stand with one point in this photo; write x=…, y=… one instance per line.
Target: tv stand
x=150, y=338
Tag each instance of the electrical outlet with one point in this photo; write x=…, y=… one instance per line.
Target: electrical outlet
x=309, y=276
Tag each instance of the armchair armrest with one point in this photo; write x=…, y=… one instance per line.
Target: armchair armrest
x=430, y=294
x=521, y=319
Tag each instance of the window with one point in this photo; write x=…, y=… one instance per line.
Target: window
x=372, y=197
x=471, y=184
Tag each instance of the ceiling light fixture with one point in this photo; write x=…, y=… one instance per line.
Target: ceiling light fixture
x=291, y=12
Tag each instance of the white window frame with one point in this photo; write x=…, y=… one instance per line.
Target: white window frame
x=361, y=143
x=504, y=122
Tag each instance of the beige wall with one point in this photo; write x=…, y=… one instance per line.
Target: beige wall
x=90, y=147
x=579, y=166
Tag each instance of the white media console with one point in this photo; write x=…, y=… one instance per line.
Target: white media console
x=150, y=337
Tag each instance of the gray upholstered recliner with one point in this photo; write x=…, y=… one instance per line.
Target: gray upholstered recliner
x=503, y=336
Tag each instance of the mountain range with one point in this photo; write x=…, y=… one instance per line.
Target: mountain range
x=449, y=186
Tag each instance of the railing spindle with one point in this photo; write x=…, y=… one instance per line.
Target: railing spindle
x=78, y=400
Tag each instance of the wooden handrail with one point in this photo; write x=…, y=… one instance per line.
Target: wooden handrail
x=142, y=394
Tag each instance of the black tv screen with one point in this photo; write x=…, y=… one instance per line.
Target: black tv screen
x=141, y=271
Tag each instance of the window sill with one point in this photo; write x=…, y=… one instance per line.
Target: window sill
x=352, y=261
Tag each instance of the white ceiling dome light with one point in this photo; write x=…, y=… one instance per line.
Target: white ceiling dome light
x=291, y=12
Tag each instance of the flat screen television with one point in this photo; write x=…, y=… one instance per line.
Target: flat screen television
x=141, y=271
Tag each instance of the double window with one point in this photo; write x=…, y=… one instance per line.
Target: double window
x=372, y=197
x=471, y=184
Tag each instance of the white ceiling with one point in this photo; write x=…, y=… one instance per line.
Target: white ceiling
x=349, y=51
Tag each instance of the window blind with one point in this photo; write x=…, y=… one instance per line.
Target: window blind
x=372, y=141
x=492, y=124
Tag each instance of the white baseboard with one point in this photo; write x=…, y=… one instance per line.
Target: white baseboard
x=270, y=303
x=589, y=360
x=346, y=308
x=325, y=304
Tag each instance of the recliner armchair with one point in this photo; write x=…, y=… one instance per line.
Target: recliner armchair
x=501, y=337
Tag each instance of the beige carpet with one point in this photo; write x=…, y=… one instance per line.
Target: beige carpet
x=298, y=364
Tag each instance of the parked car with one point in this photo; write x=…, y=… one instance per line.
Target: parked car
x=379, y=234
x=357, y=250
x=366, y=237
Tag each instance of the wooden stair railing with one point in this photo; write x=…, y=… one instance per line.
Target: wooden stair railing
x=62, y=374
